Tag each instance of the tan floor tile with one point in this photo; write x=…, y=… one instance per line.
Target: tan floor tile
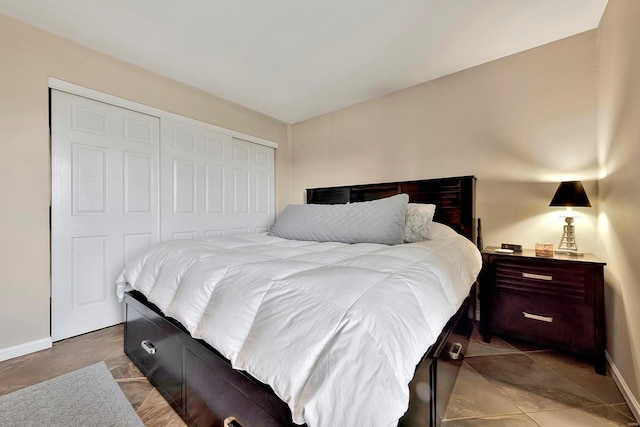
x=597, y=416
x=121, y=367
x=137, y=391
x=155, y=411
x=474, y=396
x=518, y=420
x=478, y=347
x=581, y=372
x=522, y=345
x=530, y=385
x=623, y=408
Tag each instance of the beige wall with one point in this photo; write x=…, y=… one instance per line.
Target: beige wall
x=520, y=124
x=619, y=153
x=29, y=57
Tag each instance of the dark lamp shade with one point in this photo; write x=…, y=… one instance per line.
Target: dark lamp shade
x=570, y=193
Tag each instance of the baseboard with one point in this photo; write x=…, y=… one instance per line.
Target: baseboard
x=624, y=388
x=26, y=348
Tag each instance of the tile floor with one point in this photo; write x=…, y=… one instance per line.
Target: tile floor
x=501, y=384
x=512, y=383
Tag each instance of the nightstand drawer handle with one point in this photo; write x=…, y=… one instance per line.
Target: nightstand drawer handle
x=536, y=276
x=537, y=317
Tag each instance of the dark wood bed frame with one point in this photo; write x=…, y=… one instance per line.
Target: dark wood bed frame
x=205, y=390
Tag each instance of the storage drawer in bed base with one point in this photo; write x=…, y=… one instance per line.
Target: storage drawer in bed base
x=196, y=380
x=156, y=349
x=202, y=387
x=435, y=376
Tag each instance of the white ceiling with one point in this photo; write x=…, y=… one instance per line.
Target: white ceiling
x=297, y=59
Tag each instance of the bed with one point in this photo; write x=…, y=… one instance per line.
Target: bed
x=187, y=328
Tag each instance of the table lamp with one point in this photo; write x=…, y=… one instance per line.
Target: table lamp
x=569, y=194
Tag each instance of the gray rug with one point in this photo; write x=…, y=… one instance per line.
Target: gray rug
x=86, y=397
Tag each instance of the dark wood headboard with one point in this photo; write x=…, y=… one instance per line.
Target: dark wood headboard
x=454, y=198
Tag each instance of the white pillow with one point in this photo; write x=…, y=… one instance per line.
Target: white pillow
x=418, y=221
x=438, y=231
x=377, y=221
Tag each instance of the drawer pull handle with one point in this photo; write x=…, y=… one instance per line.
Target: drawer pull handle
x=231, y=422
x=148, y=346
x=454, y=353
x=536, y=276
x=537, y=317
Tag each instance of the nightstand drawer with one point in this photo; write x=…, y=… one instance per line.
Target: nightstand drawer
x=544, y=320
x=556, y=301
x=571, y=282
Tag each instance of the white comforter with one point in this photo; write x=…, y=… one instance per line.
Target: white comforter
x=335, y=329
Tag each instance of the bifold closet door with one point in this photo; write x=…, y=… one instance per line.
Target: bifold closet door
x=212, y=183
x=104, y=207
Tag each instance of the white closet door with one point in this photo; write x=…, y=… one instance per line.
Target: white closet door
x=104, y=207
x=213, y=184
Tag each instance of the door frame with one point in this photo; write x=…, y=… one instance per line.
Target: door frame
x=95, y=95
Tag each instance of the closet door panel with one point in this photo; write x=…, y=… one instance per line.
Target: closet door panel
x=218, y=194
x=214, y=184
x=104, y=208
x=253, y=189
x=184, y=187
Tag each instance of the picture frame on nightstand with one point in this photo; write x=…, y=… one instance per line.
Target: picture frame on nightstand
x=544, y=249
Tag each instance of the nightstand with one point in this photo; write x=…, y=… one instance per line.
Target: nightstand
x=553, y=301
